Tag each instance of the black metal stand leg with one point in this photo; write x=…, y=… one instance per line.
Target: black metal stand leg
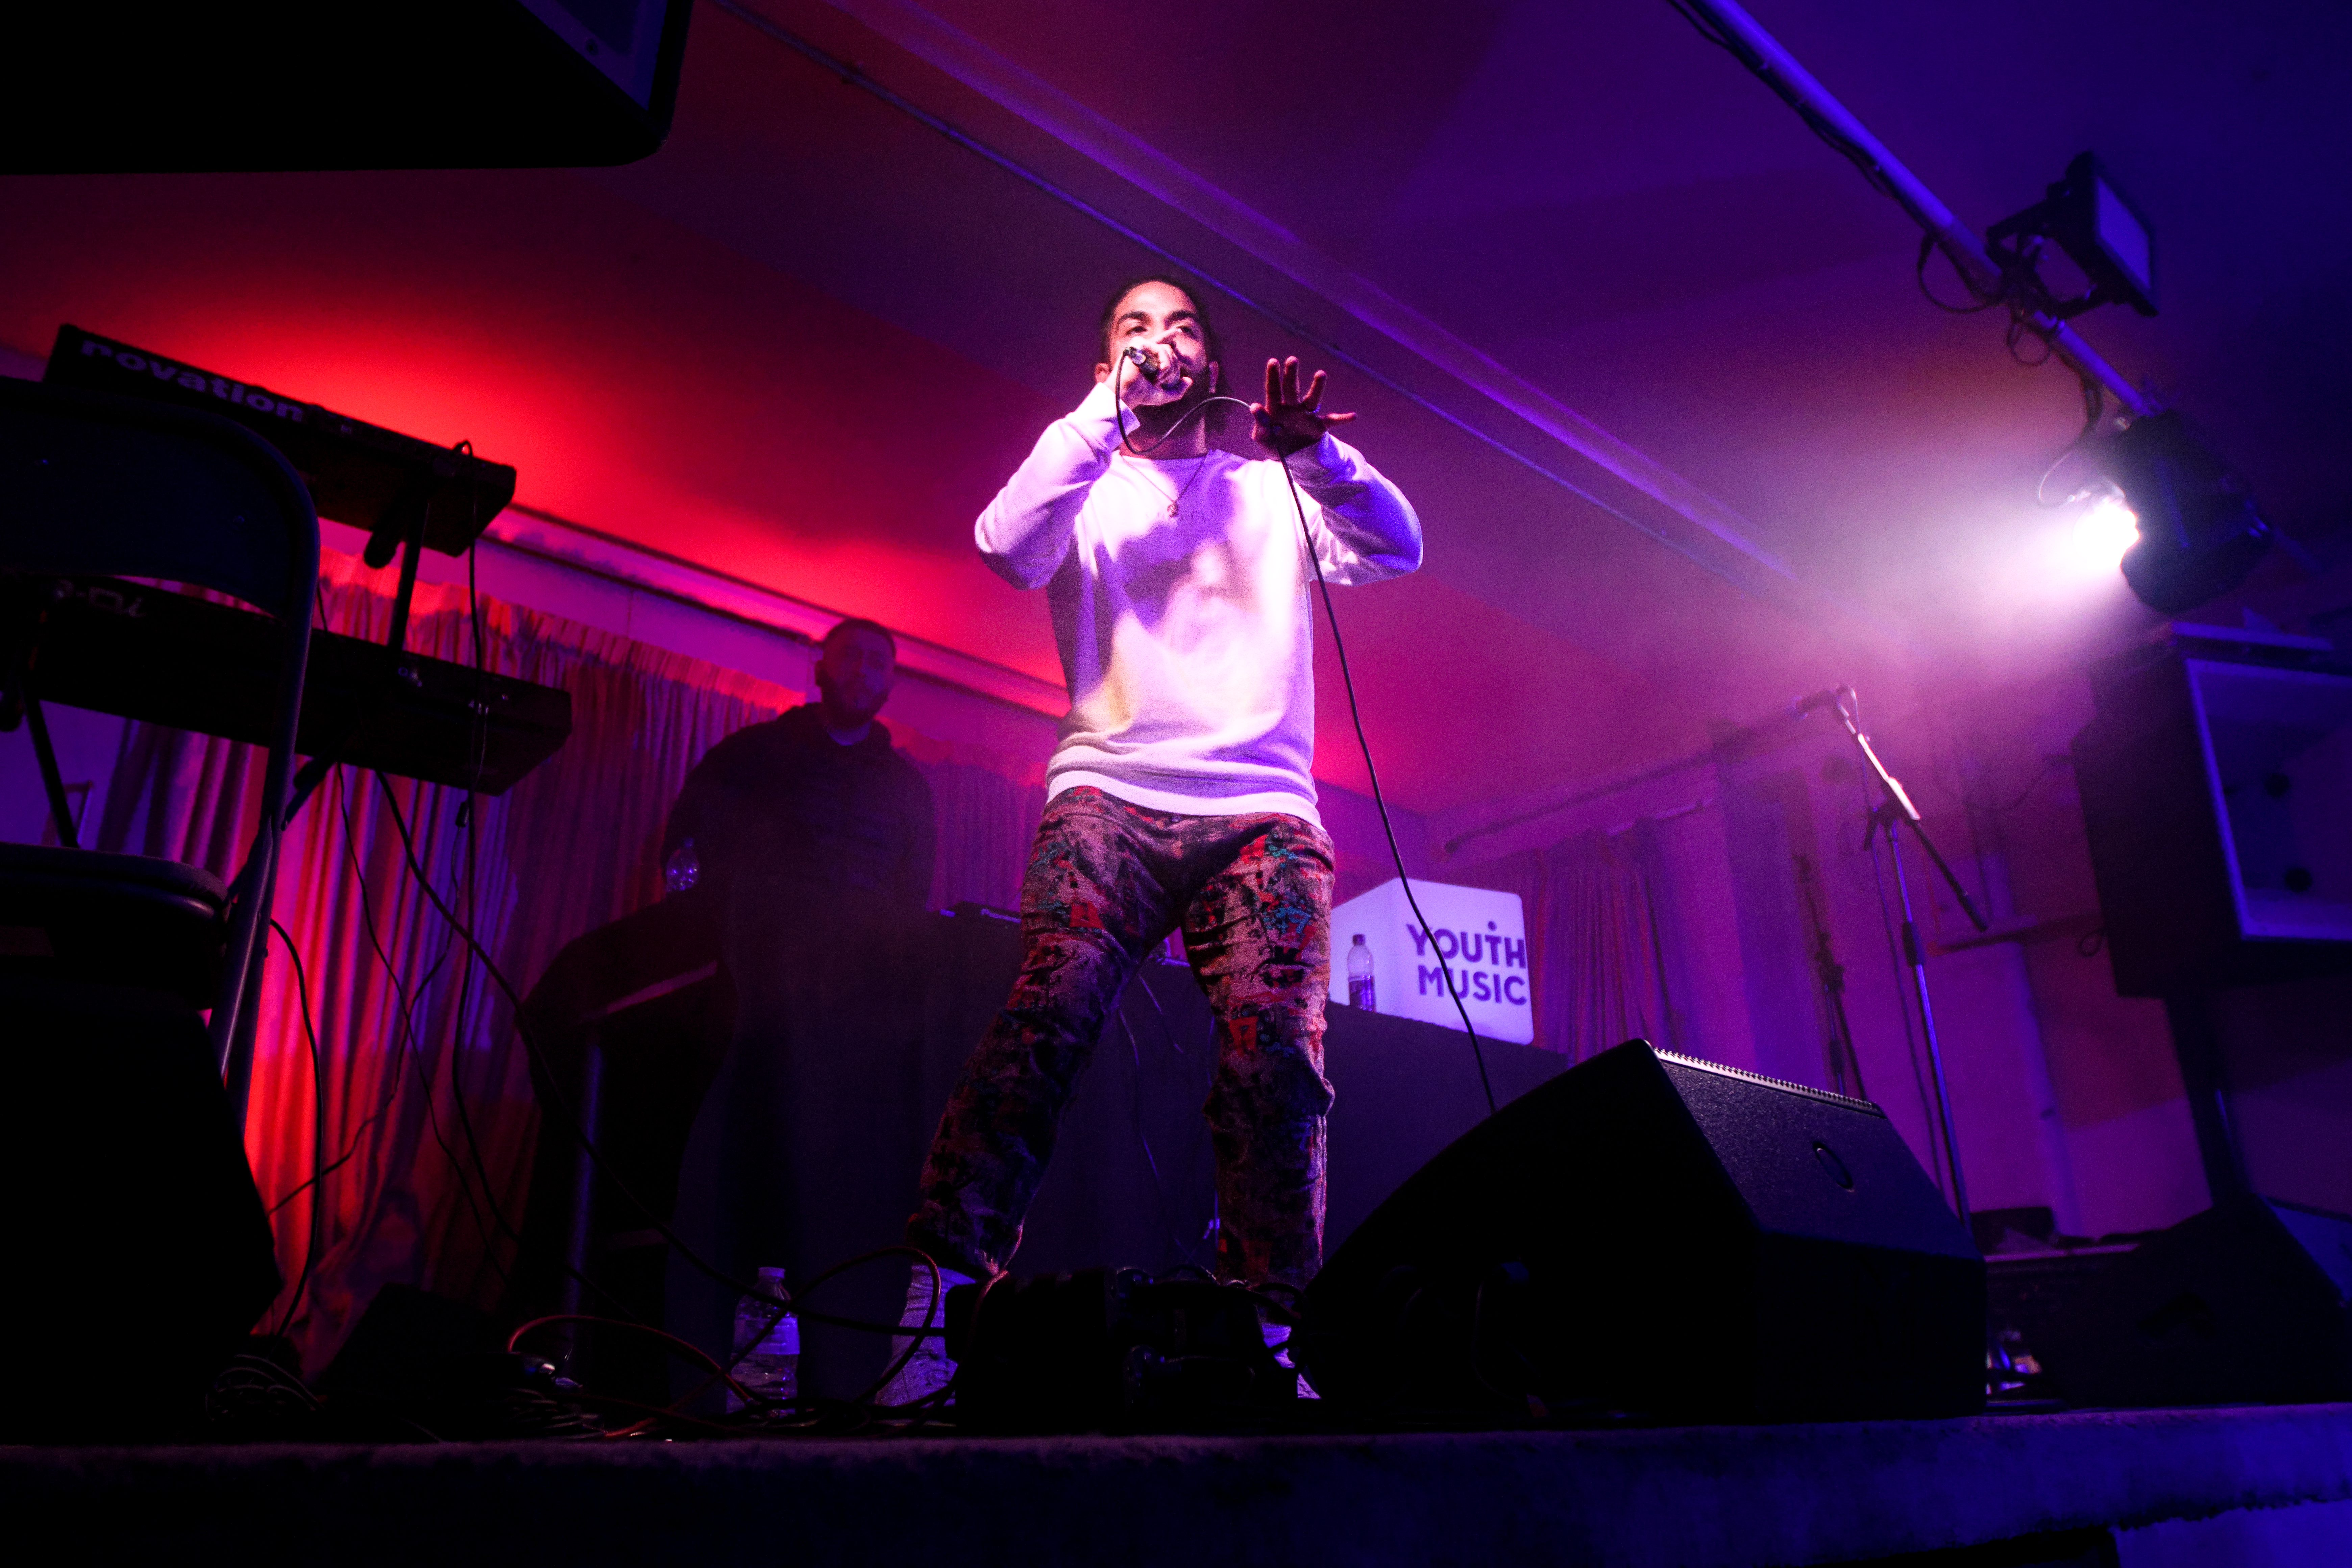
x=406, y=521
x=236, y=1072
x=1915, y=953
x=1893, y=813
x=404, y=527
x=580, y=1236
x=401, y=527
x=52, y=780
x=411, y=548
x=232, y=1026
x=1837, y=1048
x=2198, y=1046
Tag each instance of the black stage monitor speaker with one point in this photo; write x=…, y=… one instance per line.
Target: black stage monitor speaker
x=2245, y=1303
x=361, y=84
x=1666, y=1238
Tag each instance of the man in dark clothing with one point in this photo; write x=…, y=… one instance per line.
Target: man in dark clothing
x=816, y=796
x=810, y=843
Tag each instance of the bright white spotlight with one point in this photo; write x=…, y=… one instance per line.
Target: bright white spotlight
x=2103, y=531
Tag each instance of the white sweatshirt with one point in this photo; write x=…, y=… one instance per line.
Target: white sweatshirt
x=1188, y=642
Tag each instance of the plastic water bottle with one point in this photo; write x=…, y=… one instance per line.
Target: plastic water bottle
x=767, y=1344
x=1359, y=976
x=683, y=868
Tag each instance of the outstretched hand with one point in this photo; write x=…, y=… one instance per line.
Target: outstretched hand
x=1289, y=420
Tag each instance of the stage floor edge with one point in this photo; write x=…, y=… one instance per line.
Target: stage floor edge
x=1692, y=1496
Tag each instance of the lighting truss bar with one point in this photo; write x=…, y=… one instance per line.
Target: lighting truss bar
x=1796, y=85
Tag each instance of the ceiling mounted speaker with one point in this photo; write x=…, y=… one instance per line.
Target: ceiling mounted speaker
x=432, y=84
x=2216, y=779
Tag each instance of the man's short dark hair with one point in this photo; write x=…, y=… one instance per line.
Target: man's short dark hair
x=1185, y=286
x=859, y=623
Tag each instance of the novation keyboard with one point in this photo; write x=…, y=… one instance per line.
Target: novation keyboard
x=359, y=473
x=167, y=657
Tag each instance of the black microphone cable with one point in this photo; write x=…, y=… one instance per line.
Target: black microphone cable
x=1347, y=679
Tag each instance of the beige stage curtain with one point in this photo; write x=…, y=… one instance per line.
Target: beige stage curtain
x=987, y=807
x=1596, y=946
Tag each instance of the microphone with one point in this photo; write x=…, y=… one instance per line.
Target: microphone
x=1828, y=697
x=1145, y=361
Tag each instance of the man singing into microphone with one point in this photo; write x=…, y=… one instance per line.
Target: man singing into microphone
x=1180, y=791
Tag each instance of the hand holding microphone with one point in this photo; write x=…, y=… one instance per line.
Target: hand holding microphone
x=1153, y=374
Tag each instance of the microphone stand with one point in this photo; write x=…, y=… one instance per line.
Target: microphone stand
x=1893, y=813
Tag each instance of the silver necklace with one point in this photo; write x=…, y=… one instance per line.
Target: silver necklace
x=1176, y=501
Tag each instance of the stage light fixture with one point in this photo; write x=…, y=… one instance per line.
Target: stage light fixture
x=2200, y=532
x=2105, y=529
x=2098, y=227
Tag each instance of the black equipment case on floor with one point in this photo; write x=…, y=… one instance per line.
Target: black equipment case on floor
x=2245, y=1303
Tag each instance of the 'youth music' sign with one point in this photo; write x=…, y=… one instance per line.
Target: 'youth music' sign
x=1475, y=934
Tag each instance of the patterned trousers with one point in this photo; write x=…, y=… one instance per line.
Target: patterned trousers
x=1106, y=882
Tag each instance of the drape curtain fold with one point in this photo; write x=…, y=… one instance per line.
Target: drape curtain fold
x=987, y=808
x=423, y=1108
x=1597, y=947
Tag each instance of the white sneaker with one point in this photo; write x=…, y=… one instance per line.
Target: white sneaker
x=1278, y=1340
x=926, y=1373
x=927, y=1369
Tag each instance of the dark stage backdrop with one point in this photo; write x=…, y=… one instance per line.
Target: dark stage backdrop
x=850, y=1035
